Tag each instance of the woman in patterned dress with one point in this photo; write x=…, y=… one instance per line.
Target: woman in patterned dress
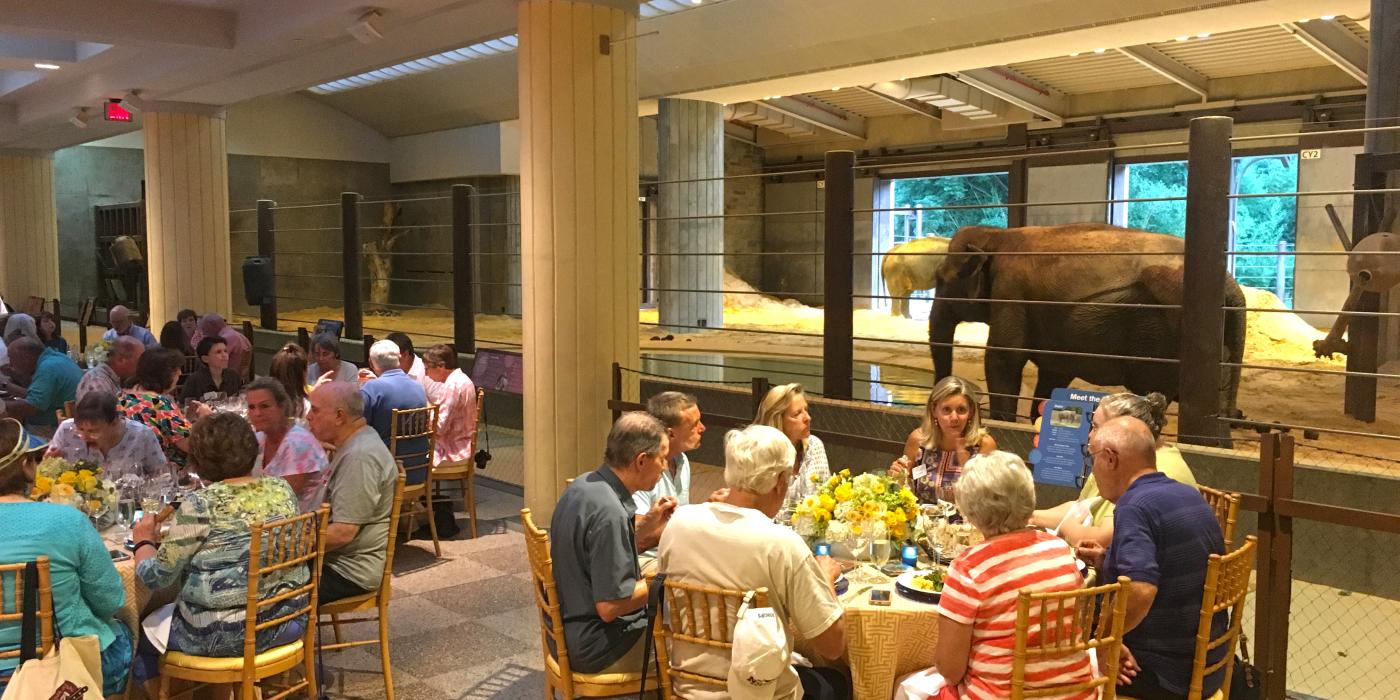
x=151, y=402
x=950, y=435
x=285, y=447
x=785, y=408
x=206, y=551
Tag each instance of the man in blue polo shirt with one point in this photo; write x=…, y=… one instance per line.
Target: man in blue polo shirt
x=1163, y=536
x=394, y=389
x=53, y=381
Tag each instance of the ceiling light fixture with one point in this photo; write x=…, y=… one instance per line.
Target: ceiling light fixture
x=364, y=29
x=132, y=101
x=1100, y=50
x=47, y=66
x=79, y=118
x=1073, y=54
x=1304, y=20
x=836, y=89
x=1183, y=38
x=1203, y=35
x=1327, y=18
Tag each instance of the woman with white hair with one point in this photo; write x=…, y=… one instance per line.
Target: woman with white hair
x=735, y=544
x=785, y=408
x=977, y=612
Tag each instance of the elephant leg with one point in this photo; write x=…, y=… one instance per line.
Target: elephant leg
x=1004, y=371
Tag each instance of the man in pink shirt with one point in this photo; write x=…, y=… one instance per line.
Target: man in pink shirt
x=456, y=430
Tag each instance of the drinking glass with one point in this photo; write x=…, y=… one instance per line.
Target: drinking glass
x=880, y=551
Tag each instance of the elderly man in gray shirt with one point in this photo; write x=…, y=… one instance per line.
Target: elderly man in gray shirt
x=594, y=541
x=360, y=491
x=107, y=378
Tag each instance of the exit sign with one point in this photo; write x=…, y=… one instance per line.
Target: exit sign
x=115, y=112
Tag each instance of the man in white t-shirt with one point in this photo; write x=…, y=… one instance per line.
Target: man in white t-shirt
x=735, y=544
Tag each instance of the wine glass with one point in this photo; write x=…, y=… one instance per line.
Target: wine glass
x=879, y=545
x=860, y=539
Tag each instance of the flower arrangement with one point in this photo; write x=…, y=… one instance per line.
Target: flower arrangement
x=79, y=484
x=847, y=506
x=97, y=352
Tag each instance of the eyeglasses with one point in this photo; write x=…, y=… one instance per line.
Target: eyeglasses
x=1089, y=456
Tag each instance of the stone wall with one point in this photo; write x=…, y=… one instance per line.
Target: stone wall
x=743, y=196
x=86, y=177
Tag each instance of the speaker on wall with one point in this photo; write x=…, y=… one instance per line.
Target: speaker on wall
x=259, y=284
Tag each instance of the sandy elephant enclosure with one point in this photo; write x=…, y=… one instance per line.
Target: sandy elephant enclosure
x=1280, y=340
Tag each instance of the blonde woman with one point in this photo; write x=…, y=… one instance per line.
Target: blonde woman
x=785, y=408
x=950, y=435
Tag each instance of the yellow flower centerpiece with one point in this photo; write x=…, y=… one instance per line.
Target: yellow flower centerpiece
x=79, y=484
x=846, y=506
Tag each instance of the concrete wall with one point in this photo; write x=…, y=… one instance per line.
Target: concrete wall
x=86, y=177
x=743, y=196
x=484, y=149
x=800, y=276
x=1320, y=282
x=1067, y=183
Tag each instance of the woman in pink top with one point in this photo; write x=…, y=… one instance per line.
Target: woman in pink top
x=285, y=448
x=456, y=429
x=976, y=631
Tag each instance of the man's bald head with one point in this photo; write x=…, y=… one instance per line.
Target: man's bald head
x=124, y=355
x=1122, y=449
x=119, y=317
x=24, y=354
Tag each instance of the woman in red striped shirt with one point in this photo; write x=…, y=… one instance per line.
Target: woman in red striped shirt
x=976, y=630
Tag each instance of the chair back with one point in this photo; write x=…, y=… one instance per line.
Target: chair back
x=275, y=546
x=63, y=414
x=1061, y=624
x=1227, y=585
x=700, y=615
x=394, y=513
x=12, y=588
x=406, y=424
x=1226, y=506
x=34, y=306
x=480, y=415
x=546, y=598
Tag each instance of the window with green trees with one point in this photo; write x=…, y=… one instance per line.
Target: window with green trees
x=1257, y=224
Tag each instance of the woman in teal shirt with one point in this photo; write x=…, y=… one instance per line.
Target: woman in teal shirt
x=87, y=590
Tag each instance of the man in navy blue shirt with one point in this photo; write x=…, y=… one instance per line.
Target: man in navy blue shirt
x=394, y=389
x=1163, y=536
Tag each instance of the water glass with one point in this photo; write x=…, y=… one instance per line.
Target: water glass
x=880, y=551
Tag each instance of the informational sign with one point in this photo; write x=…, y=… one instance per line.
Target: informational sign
x=1310, y=153
x=497, y=370
x=1065, y=422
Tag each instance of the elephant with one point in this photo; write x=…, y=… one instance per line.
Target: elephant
x=905, y=273
x=979, y=267
x=1374, y=267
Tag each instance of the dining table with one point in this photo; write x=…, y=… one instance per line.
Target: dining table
x=884, y=642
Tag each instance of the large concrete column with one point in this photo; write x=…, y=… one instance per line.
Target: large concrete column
x=187, y=241
x=580, y=240
x=28, y=227
x=690, y=138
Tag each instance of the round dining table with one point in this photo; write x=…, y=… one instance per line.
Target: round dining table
x=884, y=642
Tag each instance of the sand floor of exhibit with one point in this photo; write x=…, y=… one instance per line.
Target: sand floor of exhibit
x=1280, y=340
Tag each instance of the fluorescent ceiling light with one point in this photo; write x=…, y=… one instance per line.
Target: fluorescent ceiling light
x=47, y=66
x=490, y=47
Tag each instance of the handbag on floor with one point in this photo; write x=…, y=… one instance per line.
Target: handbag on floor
x=1244, y=680
x=72, y=670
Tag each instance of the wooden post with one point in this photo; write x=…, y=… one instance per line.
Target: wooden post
x=1017, y=184
x=267, y=248
x=350, y=263
x=1274, y=581
x=463, y=306
x=1202, y=331
x=303, y=338
x=616, y=388
x=759, y=390
x=838, y=327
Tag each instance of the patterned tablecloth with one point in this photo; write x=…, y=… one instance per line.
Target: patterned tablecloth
x=885, y=642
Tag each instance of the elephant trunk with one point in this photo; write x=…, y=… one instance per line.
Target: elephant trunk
x=1235, y=327
x=942, y=326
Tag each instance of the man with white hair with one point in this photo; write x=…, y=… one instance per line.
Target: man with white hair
x=594, y=540
x=735, y=544
x=360, y=492
x=1163, y=536
x=119, y=318
x=393, y=389
x=108, y=377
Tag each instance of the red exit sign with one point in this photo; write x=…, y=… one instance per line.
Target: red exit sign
x=114, y=112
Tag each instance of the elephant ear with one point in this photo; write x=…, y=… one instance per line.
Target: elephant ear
x=970, y=261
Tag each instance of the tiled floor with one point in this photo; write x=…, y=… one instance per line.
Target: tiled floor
x=463, y=626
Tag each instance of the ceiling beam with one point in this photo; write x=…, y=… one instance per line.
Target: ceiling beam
x=823, y=116
x=1335, y=43
x=1168, y=68
x=914, y=106
x=124, y=22
x=1017, y=90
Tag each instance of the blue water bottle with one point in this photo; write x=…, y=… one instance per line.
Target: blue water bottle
x=909, y=555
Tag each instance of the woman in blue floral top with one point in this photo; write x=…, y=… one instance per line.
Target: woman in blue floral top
x=206, y=550
x=151, y=402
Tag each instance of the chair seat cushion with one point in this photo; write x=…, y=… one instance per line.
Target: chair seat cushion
x=231, y=663
x=595, y=678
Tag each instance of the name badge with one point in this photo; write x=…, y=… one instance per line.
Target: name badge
x=919, y=472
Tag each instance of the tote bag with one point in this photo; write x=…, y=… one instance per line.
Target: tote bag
x=70, y=671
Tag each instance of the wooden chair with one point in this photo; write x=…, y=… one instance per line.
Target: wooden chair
x=700, y=615
x=63, y=414
x=1226, y=505
x=12, y=589
x=414, y=424
x=34, y=306
x=1067, y=623
x=273, y=546
x=376, y=602
x=558, y=676
x=462, y=473
x=1227, y=585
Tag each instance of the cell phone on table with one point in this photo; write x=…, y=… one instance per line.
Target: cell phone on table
x=118, y=555
x=879, y=597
